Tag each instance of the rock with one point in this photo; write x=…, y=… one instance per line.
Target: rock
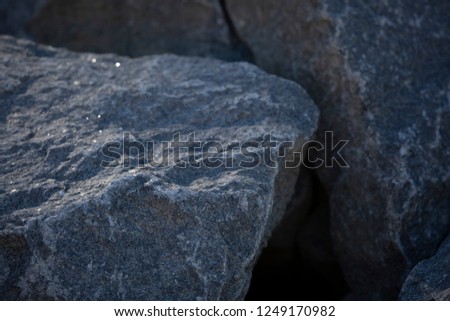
x=133, y=27
x=379, y=72
x=430, y=279
x=81, y=218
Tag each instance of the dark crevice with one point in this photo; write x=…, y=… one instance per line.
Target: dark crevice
x=237, y=43
x=304, y=267
x=14, y=250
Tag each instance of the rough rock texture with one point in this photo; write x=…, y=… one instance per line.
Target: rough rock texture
x=72, y=229
x=130, y=27
x=379, y=72
x=430, y=279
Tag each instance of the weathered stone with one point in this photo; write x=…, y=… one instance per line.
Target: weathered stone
x=73, y=229
x=430, y=279
x=379, y=72
x=132, y=27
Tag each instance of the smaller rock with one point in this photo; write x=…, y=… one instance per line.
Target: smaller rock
x=430, y=279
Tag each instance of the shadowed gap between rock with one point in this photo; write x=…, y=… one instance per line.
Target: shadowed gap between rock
x=299, y=262
x=239, y=45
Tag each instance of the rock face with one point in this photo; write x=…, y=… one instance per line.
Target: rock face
x=430, y=279
x=132, y=27
x=79, y=221
x=379, y=72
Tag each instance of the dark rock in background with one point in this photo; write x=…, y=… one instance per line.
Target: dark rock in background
x=74, y=230
x=132, y=27
x=14, y=15
x=430, y=279
x=379, y=72
x=299, y=262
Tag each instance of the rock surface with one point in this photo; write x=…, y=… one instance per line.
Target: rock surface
x=379, y=72
x=430, y=279
x=72, y=229
x=132, y=27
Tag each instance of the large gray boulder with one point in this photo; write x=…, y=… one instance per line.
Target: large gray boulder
x=430, y=279
x=379, y=72
x=126, y=27
x=78, y=221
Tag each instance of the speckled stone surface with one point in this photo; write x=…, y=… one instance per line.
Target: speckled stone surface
x=73, y=230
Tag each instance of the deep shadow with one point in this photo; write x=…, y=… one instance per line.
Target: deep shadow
x=306, y=267
x=237, y=43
